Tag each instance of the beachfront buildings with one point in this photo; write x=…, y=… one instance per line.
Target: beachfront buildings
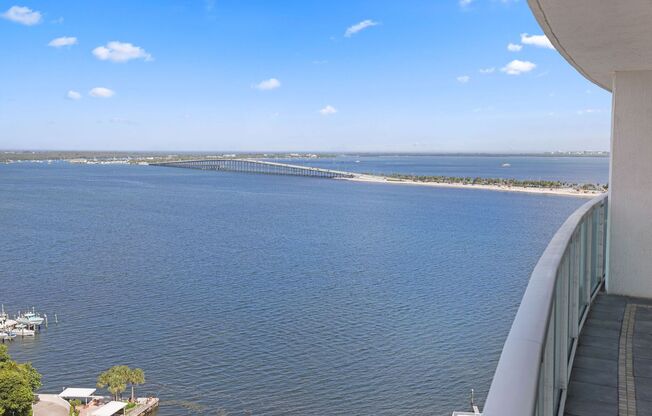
x=581, y=343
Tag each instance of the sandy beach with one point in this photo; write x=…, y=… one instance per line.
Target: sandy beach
x=541, y=191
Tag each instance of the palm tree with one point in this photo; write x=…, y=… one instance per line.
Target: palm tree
x=136, y=377
x=118, y=377
x=115, y=379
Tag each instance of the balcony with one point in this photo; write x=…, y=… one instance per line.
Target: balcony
x=535, y=368
x=580, y=343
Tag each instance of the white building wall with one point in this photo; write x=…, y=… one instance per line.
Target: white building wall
x=630, y=199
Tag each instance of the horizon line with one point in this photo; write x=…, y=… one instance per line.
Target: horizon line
x=316, y=152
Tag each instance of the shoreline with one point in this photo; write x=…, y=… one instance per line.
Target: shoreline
x=496, y=188
x=380, y=179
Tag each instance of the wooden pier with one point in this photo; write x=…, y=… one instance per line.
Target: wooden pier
x=256, y=166
x=145, y=406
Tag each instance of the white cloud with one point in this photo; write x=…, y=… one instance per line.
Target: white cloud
x=517, y=67
x=120, y=52
x=23, y=15
x=121, y=120
x=490, y=70
x=63, y=41
x=540, y=41
x=101, y=92
x=463, y=79
x=73, y=95
x=483, y=109
x=359, y=27
x=465, y=3
x=328, y=110
x=589, y=111
x=268, y=84
x=513, y=47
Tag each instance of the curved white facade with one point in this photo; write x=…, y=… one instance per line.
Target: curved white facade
x=599, y=37
x=610, y=43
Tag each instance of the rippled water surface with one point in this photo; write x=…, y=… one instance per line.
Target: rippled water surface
x=268, y=295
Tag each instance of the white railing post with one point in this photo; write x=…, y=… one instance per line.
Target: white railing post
x=548, y=375
x=574, y=315
x=586, y=269
x=563, y=323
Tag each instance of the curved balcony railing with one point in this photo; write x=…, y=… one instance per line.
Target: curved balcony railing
x=534, y=369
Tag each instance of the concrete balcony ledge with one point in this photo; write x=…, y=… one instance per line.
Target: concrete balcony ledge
x=599, y=37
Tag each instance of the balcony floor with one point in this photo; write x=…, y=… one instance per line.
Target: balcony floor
x=612, y=370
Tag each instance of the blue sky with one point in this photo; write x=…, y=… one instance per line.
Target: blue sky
x=355, y=75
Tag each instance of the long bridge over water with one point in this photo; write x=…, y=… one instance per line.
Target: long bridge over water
x=255, y=166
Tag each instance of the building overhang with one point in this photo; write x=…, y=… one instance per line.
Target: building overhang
x=599, y=37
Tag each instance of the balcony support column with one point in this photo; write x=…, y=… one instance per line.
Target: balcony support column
x=630, y=186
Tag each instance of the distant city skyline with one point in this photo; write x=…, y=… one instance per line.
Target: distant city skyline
x=361, y=76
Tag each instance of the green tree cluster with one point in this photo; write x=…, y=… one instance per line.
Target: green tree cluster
x=117, y=378
x=73, y=407
x=524, y=183
x=18, y=382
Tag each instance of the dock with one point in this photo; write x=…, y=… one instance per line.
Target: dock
x=145, y=407
x=55, y=405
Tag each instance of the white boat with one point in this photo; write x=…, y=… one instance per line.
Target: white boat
x=7, y=336
x=23, y=331
x=506, y=165
x=3, y=315
x=30, y=318
x=7, y=324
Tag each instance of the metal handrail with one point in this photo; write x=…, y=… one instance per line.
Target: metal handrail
x=535, y=365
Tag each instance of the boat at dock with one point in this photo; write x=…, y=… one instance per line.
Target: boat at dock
x=23, y=331
x=30, y=319
x=7, y=336
x=7, y=324
x=3, y=316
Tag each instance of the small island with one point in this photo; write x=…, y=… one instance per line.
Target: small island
x=550, y=187
x=489, y=184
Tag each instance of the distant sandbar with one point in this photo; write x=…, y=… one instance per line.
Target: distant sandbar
x=563, y=191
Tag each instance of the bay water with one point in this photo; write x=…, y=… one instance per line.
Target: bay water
x=271, y=295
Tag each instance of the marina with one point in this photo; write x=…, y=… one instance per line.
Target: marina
x=23, y=324
x=76, y=401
